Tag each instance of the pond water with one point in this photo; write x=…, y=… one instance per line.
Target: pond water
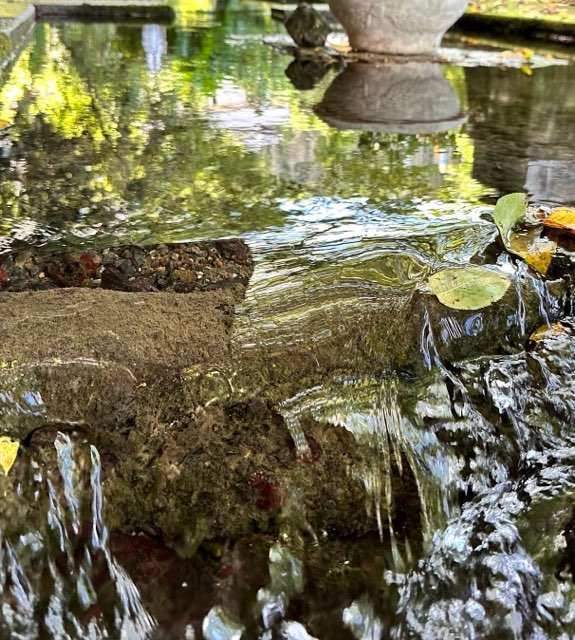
x=429, y=490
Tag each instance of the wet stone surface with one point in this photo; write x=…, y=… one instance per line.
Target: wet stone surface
x=180, y=268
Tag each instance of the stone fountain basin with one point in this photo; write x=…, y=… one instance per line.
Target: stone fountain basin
x=387, y=26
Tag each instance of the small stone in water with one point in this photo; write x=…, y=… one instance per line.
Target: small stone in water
x=233, y=249
x=307, y=27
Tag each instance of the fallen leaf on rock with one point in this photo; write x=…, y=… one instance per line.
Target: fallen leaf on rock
x=8, y=452
x=562, y=219
x=545, y=332
x=531, y=247
x=527, y=53
x=468, y=288
x=509, y=212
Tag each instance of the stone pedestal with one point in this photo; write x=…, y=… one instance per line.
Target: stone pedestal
x=408, y=27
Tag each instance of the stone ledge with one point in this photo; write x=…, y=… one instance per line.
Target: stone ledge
x=16, y=24
x=531, y=28
x=110, y=9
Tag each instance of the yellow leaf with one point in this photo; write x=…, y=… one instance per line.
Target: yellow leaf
x=528, y=71
x=561, y=218
x=338, y=42
x=4, y=124
x=527, y=53
x=547, y=331
x=531, y=247
x=8, y=452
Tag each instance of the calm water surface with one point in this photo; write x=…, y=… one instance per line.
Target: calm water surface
x=351, y=187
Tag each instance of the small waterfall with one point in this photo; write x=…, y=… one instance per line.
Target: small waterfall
x=482, y=577
x=392, y=447
x=521, y=313
x=58, y=578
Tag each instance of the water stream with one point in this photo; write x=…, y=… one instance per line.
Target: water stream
x=412, y=467
x=58, y=576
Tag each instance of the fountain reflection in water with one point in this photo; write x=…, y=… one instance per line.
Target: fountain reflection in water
x=58, y=578
x=405, y=97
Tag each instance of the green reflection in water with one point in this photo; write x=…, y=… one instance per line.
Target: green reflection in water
x=155, y=134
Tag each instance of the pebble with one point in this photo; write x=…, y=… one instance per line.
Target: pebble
x=176, y=267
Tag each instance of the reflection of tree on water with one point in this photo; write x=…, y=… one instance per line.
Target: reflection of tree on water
x=104, y=148
x=97, y=143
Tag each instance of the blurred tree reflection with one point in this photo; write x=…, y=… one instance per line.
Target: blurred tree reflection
x=183, y=133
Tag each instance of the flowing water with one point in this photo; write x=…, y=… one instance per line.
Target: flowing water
x=429, y=488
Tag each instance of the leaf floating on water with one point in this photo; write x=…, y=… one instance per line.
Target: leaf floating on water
x=562, y=219
x=8, y=452
x=509, y=212
x=531, y=247
x=527, y=53
x=338, y=42
x=468, y=288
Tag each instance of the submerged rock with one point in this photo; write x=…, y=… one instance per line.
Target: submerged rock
x=181, y=267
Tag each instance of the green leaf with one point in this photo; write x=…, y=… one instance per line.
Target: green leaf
x=509, y=212
x=469, y=287
x=528, y=244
